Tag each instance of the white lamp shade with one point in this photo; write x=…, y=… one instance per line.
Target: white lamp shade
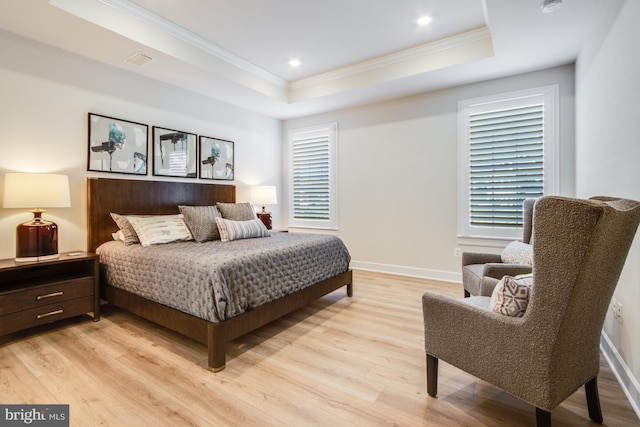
x=264, y=195
x=36, y=190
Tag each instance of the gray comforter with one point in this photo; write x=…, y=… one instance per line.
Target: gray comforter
x=214, y=280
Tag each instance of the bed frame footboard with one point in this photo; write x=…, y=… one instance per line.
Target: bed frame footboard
x=217, y=335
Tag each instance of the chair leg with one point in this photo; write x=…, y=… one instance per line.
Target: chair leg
x=593, y=400
x=543, y=418
x=432, y=375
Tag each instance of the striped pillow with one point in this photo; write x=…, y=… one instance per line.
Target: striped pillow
x=154, y=230
x=236, y=230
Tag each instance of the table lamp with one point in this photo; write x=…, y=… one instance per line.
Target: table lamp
x=36, y=240
x=264, y=195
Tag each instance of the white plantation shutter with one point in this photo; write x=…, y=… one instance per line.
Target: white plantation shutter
x=312, y=177
x=506, y=159
x=508, y=146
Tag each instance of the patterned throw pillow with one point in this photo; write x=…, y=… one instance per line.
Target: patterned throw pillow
x=511, y=295
x=201, y=221
x=518, y=253
x=236, y=230
x=155, y=230
x=237, y=211
x=129, y=233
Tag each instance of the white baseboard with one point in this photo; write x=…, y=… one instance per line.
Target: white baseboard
x=423, y=273
x=623, y=374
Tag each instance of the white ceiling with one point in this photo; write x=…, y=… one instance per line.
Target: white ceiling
x=352, y=51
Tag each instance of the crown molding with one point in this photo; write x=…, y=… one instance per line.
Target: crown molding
x=478, y=34
x=174, y=30
x=129, y=20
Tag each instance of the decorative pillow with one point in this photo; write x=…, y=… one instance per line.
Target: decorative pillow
x=518, y=253
x=511, y=295
x=237, y=211
x=236, y=230
x=153, y=230
x=129, y=233
x=201, y=221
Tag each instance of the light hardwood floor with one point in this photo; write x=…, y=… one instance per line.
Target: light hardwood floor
x=339, y=362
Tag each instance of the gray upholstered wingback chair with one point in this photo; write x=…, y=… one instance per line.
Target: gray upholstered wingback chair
x=580, y=247
x=482, y=271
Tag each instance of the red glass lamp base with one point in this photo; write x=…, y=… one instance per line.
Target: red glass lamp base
x=36, y=240
x=265, y=218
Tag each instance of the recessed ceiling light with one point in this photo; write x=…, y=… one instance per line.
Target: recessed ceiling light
x=424, y=20
x=294, y=63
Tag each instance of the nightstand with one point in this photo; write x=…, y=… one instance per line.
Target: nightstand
x=34, y=293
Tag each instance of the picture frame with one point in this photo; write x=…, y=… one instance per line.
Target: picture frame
x=174, y=153
x=117, y=145
x=216, y=158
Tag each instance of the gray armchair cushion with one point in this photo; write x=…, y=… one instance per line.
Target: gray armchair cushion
x=481, y=282
x=480, y=279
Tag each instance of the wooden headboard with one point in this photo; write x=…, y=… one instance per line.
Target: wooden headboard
x=129, y=197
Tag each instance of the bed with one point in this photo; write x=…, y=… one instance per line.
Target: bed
x=142, y=197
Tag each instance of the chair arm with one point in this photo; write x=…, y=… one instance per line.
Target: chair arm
x=469, y=258
x=499, y=270
x=483, y=343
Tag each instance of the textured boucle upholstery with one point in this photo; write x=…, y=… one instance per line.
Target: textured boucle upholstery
x=580, y=247
x=482, y=271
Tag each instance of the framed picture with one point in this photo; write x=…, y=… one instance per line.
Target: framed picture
x=174, y=153
x=216, y=158
x=117, y=146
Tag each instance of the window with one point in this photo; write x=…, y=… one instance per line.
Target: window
x=313, y=177
x=508, y=146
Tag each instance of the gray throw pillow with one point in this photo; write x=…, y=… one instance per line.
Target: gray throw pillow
x=201, y=221
x=237, y=211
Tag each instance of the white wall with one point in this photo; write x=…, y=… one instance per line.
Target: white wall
x=608, y=156
x=45, y=97
x=398, y=177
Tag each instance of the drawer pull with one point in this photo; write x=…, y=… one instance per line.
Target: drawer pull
x=51, y=313
x=54, y=294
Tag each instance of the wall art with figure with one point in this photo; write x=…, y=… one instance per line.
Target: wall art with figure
x=117, y=146
x=216, y=158
x=174, y=153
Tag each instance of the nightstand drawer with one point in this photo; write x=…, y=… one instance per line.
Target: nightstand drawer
x=48, y=313
x=44, y=295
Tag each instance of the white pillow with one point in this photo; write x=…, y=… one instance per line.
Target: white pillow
x=518, y=253
x=235, y=230
x=511, y=295
x=118, y=235
x=154, y=230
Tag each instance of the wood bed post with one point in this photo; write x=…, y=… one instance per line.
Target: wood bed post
x=217, y=346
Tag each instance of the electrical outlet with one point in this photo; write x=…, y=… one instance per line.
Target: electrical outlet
x=616, y=308
x=618, y=314
x=457, y=252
